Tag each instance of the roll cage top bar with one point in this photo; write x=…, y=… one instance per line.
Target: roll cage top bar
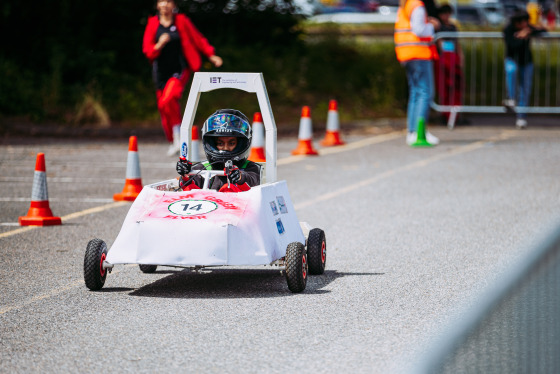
x=248, y=82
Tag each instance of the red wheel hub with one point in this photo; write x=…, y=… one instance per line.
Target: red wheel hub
x=323, y=252
x=101, y=270
x=304, y=266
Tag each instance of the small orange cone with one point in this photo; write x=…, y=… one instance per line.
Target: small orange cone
x=39, y=213
x=332, y=136
x=305, y=147
x=133, y=182
x=257, y=145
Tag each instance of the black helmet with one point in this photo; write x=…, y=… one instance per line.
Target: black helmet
x=226, y=122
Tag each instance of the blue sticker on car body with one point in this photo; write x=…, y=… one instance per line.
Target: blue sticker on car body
x=280, y=226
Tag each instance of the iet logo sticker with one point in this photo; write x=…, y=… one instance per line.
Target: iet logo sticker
x=229, y=80
x=184, y=149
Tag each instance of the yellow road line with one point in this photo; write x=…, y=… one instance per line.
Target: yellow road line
x=17, y=231
x=47, y=295
x=95, y=210
x=344, y=148
x=8, y=308
x=67, y=217
x=330, y=195
x=414, y=165
x=284, y=161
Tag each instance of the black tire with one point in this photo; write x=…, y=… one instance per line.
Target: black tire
x=94, y=274
x=296, y=267
x=317, y=251
x=148, y=269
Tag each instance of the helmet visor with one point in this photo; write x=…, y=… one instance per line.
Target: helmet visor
x=226, y=123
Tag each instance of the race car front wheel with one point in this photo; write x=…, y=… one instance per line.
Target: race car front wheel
x=148, y=268
x=94, y=273
x=317, y=251
x=296, y=267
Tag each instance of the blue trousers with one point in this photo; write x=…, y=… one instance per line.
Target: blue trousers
x=420, y=76
x=519, y=76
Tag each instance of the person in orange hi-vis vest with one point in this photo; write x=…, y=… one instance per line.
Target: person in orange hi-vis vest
x=534, y=10
x=414, y=32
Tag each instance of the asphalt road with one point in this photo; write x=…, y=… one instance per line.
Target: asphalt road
x=414, y=236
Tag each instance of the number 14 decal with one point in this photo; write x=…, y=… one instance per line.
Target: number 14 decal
x=196, y=207
x=192, y=207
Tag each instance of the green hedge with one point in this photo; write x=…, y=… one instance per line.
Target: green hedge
x=365, y=79
x=80, y=63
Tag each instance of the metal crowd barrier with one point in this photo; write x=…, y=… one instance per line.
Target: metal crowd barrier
x=514, y=329
x=482, y=86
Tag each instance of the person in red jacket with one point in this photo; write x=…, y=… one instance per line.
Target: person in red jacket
x=174, y=46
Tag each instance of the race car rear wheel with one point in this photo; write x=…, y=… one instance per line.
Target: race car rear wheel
x=94, y=274
x=148, y=268
x=296, y=267
x=317, y=251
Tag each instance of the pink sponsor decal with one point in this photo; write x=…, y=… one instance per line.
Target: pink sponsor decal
x=194, y=205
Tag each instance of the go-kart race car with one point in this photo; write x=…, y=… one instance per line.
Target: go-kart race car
x=201, y=227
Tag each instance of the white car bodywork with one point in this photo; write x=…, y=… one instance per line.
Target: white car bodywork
x=206, y=227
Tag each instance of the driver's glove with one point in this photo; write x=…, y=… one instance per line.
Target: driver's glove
x=234, y=174
x=183, y=166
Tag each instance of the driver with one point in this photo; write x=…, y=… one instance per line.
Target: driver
x=226, y=135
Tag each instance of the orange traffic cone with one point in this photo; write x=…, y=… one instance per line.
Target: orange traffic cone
x=257, y=145
x=195, y=144
x=39, y=213
x=332, y=136
x=133, y=182
x=305, y=147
